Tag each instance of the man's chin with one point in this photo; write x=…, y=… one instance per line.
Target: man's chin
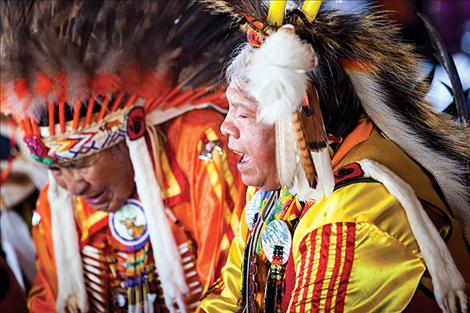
x=100, y=207
x=251, y=181
x=263, y=184
x=111, y=206
x=248, y=180
x=106, y=207
x=115, y=206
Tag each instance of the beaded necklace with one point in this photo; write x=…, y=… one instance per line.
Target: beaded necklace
x=270, y=218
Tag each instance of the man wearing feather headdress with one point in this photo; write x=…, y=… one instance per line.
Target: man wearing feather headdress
x=359, y=198
x=119, y=100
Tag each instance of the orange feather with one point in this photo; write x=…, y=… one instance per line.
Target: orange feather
x=50, y=108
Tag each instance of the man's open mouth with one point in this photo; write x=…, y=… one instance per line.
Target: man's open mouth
x=96, y=199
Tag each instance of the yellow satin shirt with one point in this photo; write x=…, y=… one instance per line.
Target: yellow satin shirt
x=354, y=251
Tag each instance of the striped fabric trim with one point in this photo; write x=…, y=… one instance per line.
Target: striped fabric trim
x=347, y=266
x=308, y=252
x=338, y=254
x=327, y=256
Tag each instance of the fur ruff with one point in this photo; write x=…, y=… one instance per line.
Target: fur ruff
x=446, y=170
x=277, y=74
x=448, y=283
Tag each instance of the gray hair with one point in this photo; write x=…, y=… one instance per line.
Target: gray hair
x=236, y=70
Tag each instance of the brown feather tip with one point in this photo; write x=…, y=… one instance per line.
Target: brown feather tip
x=312, y=121
x=303, y=150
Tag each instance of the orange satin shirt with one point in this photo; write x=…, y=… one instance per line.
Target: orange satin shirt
x=200, y=185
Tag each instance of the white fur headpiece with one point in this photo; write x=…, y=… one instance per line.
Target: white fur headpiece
x=277, y=77
x=277, y=74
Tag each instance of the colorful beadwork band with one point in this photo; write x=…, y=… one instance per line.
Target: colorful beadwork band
x=73, y=144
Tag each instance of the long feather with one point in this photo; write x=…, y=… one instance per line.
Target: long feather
x=447, y=61
x=303, y=149
x=286, y=155
x=324, y=169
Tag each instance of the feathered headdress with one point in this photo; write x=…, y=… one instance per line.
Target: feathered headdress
x=314, y=73
x=81, y=76
x=70, y=64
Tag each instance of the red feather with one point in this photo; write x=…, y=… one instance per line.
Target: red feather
x=152, y=87
x=62, y=82
x=44, y=85
x=21, y=88
x=105, y=84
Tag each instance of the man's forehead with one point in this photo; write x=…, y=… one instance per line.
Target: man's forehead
x=82, y=160
x=238, y=97
x=71, y=163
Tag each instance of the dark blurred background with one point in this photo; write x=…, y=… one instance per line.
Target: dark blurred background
x=21, y=177
x=451, y=18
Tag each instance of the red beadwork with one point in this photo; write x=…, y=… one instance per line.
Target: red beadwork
x=136, y=123
x=36, y=146
x=255, y=32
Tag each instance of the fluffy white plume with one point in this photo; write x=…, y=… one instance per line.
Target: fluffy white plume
x=277, y=74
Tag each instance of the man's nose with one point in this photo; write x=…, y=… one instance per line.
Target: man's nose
x=75, y=183
x=79, y=187
x=228, y=128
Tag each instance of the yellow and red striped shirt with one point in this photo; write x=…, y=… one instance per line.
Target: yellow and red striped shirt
x=353, y=251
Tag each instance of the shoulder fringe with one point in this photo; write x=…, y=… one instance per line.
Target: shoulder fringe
x=448, y=283
x=447, y=172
